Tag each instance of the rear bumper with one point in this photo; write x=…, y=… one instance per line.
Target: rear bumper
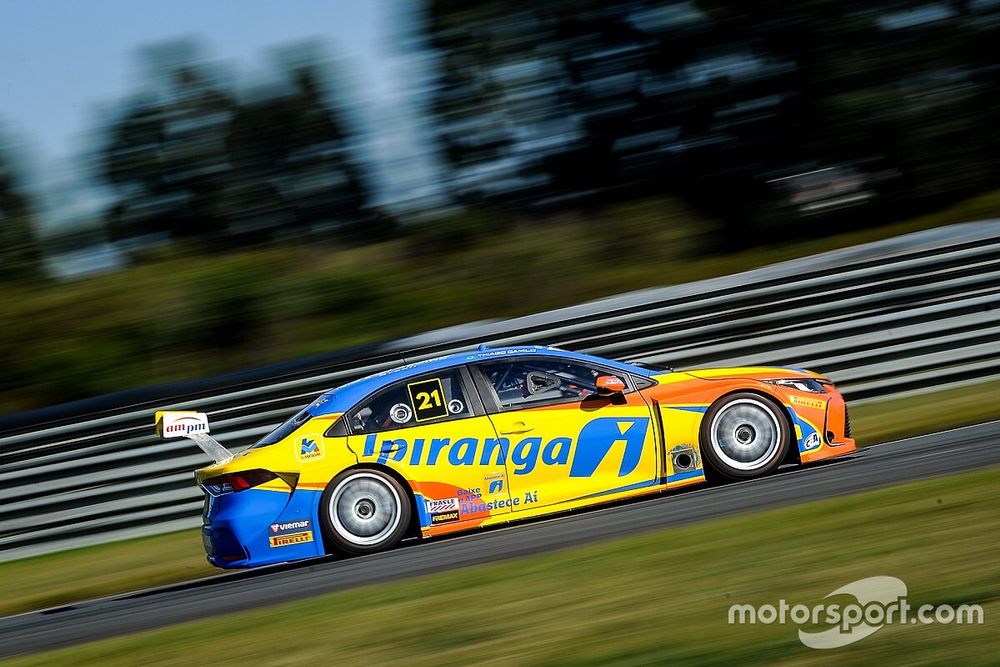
x=260, y=527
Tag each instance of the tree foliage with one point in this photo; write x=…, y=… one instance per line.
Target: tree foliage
x=758, y=112
x=193, y=158
x=19, y=252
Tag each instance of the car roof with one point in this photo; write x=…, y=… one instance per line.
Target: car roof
x=342, y=398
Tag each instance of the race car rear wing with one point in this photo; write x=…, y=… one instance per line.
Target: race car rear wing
x=193, y=426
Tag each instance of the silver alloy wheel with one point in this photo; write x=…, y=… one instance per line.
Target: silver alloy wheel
x=364, y=509
x=745, y=434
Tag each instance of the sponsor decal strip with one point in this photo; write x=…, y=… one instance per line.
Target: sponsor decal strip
x=583, y=455
x=290, y=539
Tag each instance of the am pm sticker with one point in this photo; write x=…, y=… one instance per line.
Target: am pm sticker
x=180, y=424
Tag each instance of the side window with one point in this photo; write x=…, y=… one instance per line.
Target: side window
x=524, y=382
x=412, y=402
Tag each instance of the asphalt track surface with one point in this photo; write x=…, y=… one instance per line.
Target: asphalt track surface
x=926, y=456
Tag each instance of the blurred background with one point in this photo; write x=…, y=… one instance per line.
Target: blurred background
x=193, y=188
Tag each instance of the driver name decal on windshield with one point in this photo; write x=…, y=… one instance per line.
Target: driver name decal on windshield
x=584, y=454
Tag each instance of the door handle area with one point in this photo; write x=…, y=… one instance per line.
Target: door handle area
x=516, y=428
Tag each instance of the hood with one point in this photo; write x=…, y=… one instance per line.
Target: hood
x=751, y=372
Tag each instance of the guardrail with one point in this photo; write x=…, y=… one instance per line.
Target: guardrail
x=890, y=318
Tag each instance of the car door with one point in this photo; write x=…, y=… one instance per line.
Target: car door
x=432, y=429
x=564, y=441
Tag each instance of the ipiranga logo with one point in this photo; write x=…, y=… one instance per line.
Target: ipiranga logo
x=612, y=438
x=880, y=601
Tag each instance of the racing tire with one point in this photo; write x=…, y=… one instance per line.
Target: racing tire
x=363, y=511
x=744, y=436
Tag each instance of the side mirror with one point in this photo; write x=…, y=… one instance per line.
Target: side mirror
x=608, y=385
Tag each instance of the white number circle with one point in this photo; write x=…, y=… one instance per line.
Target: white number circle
x=401, y=413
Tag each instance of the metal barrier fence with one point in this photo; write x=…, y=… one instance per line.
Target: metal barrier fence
x=890, y=318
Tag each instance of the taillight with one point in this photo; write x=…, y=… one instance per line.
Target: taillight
x=235, y=482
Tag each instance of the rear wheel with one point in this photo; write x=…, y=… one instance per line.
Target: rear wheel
x=744, y=436
x=364, y=511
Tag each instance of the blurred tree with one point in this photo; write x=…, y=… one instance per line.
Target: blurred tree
x=20, y=256
x=569, y=103
x=909, y=86
x=166, y=153
x=293, y=163
x=190, y=158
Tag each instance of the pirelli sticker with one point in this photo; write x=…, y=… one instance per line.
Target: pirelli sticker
x=814, y=403
x=291, y=538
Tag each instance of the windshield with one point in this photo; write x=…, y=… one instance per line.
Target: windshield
x=285, y=429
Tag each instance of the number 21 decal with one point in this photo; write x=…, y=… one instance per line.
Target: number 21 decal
x=427, y=397
x=428, y=401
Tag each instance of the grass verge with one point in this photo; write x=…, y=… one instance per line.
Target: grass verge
x=100, y=570
x=69, y=576
x=659, y=598
x=883, y=421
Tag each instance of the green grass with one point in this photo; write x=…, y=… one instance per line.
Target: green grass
x=882, y=421
x=183, y=314
x=69, y=576
x=659, y=598
x=104, y=569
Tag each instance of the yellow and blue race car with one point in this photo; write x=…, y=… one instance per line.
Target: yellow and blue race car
x=492, y=436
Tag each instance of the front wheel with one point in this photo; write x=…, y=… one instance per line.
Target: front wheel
x=364, y=511
x=744, y=436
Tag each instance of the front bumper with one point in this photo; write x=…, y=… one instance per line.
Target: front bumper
x=836, y=437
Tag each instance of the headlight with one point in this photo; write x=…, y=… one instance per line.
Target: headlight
x=802, y=384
